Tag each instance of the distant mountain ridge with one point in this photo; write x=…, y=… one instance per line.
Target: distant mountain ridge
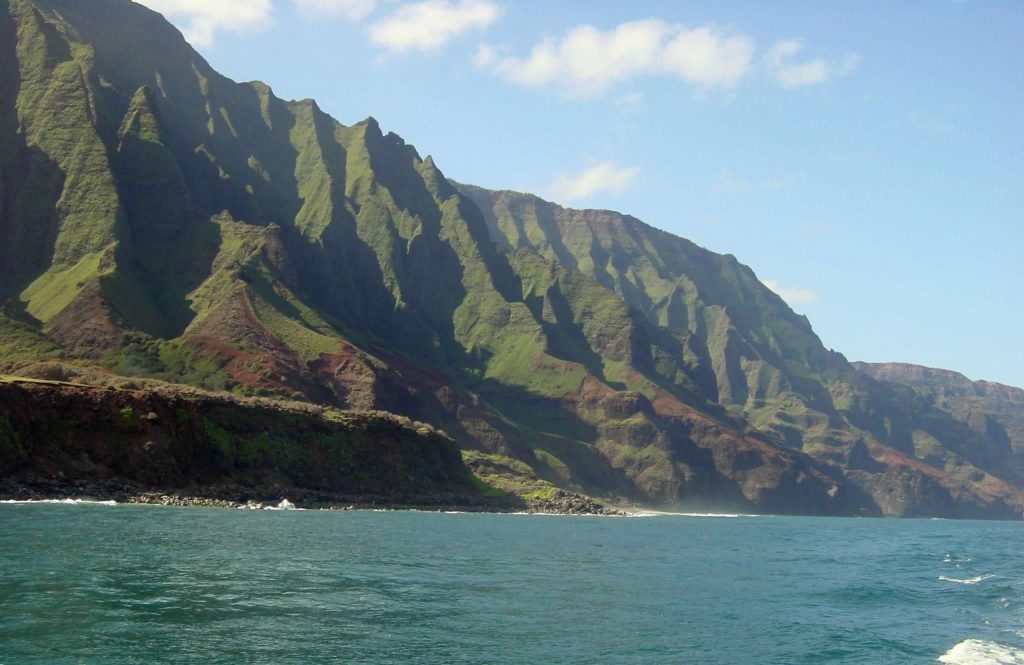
x=160, y=220
x=948, y=381
x=993, y=412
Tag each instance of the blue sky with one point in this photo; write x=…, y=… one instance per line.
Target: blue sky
x=865, y=159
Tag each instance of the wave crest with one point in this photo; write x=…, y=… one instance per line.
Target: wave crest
x=968, y=580
x=980, y=652
x=66, y=502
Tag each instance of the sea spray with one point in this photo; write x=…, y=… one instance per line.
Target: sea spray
x=981, y=652
x=969, y=580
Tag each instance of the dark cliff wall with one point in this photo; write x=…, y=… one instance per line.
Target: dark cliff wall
x=176, y=439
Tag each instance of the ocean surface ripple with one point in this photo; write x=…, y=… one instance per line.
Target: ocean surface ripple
x=87, y=583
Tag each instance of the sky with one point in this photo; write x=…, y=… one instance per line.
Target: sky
x=865, y=159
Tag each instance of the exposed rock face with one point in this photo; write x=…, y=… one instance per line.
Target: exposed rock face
x=569, y=503
x=159, y=220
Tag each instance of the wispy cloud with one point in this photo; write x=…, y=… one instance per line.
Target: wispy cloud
x=485, y=56
x=793, y=295
x=429, y=25
x=937, y=121
x=791, y=74
x=354, y=10
x=586, y=62
x=200, y=20
x=631, y=102
x=604, y=176
x=728, y=182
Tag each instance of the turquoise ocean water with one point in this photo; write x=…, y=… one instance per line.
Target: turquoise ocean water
x=94, y=583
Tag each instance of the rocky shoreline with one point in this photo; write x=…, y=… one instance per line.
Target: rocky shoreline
x=225, y=495
x=562, y=502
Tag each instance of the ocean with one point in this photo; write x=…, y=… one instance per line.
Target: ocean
x=98, y=583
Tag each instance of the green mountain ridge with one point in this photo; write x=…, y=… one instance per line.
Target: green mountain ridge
x=160, y=220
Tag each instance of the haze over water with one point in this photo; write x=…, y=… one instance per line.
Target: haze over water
x=118, y=584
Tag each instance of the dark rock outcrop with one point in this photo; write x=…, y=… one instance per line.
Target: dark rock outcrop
x=178, y=439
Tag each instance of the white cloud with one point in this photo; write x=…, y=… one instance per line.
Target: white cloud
x=807, y=73
x=793, y=295
x=791, y=75
x=199, y=20
x=484, y=56
x=782, y=51
x=428, y=25
x=587, y=61
x=601, y=177
x=351, y=9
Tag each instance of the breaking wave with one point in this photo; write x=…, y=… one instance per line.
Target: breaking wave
x=669, y=514
x=980, y=652
x=285, y=504
x=968, y=580
x=67, y=502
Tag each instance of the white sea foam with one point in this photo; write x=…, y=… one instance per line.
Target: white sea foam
x=529, y=514
x=284, y=505
x=980, y=652
x=660, y=513
x=969, y=580
x=67, y=502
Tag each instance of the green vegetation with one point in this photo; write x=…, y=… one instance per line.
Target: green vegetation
x=174, y=361
x=10, y=440
x=53, y=291
x=288, y=318
x=21, y=343
x=504, y=475
x=485, y=489
x=126, y=418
